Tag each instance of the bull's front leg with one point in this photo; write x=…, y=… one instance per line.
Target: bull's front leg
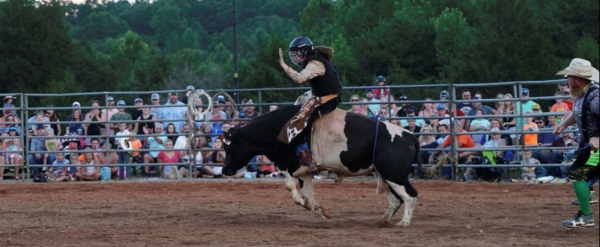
x=291, y=184
x=308, y=192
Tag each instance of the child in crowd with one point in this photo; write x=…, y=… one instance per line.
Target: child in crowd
x=51, y=145
x=122, y=142
x=528, y=173
x=58, y=172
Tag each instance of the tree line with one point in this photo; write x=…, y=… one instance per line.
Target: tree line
x=61, y=46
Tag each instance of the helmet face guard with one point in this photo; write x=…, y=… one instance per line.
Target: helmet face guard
x=299, y=48
x=297, y=56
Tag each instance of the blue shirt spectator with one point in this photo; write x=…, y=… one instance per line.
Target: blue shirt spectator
x=39, y=145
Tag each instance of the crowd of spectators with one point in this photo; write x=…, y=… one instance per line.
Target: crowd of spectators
x=155, y=137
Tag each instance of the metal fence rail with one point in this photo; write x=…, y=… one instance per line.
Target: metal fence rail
x=24, y=115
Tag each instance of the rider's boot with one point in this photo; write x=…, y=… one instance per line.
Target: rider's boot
x=306, y=164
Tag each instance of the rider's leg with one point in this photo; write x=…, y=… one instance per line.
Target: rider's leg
x=306, y=161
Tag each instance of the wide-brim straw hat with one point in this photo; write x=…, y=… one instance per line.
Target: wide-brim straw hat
x=9, y=97
x=580, y=68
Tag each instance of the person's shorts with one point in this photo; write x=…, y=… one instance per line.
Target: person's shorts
x=59, y=174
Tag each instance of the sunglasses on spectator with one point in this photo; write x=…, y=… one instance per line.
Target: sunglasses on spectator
x=538, y=122
x=354, y=100
x=566, y=93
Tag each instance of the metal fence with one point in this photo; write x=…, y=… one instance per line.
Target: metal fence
x=26, y=121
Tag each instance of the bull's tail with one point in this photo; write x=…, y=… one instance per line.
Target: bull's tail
x=429, y=172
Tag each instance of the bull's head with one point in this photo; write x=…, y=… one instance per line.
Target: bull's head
x=237, y=152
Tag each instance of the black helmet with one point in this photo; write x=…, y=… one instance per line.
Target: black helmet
x=299, y=48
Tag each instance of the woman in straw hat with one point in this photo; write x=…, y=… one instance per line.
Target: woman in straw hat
x=580, y=74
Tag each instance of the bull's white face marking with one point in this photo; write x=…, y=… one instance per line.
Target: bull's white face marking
x=411, y=202
x=395, y=130
x=302, y=99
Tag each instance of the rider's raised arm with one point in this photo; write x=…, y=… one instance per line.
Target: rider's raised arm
x=313, y=69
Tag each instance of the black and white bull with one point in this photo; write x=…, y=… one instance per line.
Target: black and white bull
x=341, y=142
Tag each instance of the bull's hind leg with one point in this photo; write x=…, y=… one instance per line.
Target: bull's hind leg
x=409, y=195
x=308, y=192
x=395, y=202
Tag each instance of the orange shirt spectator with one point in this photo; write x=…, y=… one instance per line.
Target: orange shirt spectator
x=465, y=140
x=530, y=139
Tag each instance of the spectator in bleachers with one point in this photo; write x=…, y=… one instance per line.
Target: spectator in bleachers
x=182, y=141
x=189, y=90
x=58, y=172
x=412, y=125
x=529, y=174
x=556, y=156
x=171, y=132
x=250, y=110
x=89, y=169
x=383, y=114
x=440, y=112
x=11, y=124
x=75, y=165
x=404, y=106
x=444, y=95
x=39, y=118
x=536, y=109
x=156, y=109
x=55, y=122
x=121, y=115
x=170, y=158
x=495, y=123
x=509, y=123
x=427, y=111
x=465, y=107
x=156, y=143
x=121, y=139
x=543, y=138
x=480, y=123
x=494, y=142
x=146, y=120
x=8, y=106
x=74, y=127
x=355, y=108
x=95, y=115
x=266, y=170
x=38, y=145
x=275, y=107
x=427, y=140
x=14, y=157
x=500, y=103
x=410, y=112
x=364, y=109
x=529, y=127
x=381, y=92
x=560, y=106
x=476, y=105
x=527, y=107
x=568, y=101
x=464, y=141
x=108, y=113
x=136, y=145
x=200, y=147
x=137, y=113
x=442, y=133
x=374, y=106
x=561, y=88
x=4, y=144
x=51, y=145
x=551, y=124
x=174, y=112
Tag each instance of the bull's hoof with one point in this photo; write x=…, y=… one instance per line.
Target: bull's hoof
x=323, y=212
x=403, y=224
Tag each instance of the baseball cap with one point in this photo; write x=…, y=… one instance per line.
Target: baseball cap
x=444, y=94
x=404, y=97
x=370, y=90
x=380, y=78
x=40, y=126
x=220, y=98
x=138, y=99
x=121, y=102
x=242, y=115
x=173, y=93
x=524, y=91
x=441, y=106
x=76, y=103
x=409, y=109
x=535, y=107
x=154, y=96
x=12, y=128
x=190, y=87
x=110, y=98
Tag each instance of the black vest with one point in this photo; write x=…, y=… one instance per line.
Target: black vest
x=326, y=84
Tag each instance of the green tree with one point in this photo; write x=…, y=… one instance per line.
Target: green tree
x=100, y=25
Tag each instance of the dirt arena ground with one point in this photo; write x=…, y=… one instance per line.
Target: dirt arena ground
x=262, y=213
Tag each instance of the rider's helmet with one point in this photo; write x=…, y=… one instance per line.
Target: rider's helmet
x=380, y=79
x=299, y=48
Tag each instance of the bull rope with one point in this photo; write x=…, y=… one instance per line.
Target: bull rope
x=375, y=142
x=231, y=101
x=192, y=106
